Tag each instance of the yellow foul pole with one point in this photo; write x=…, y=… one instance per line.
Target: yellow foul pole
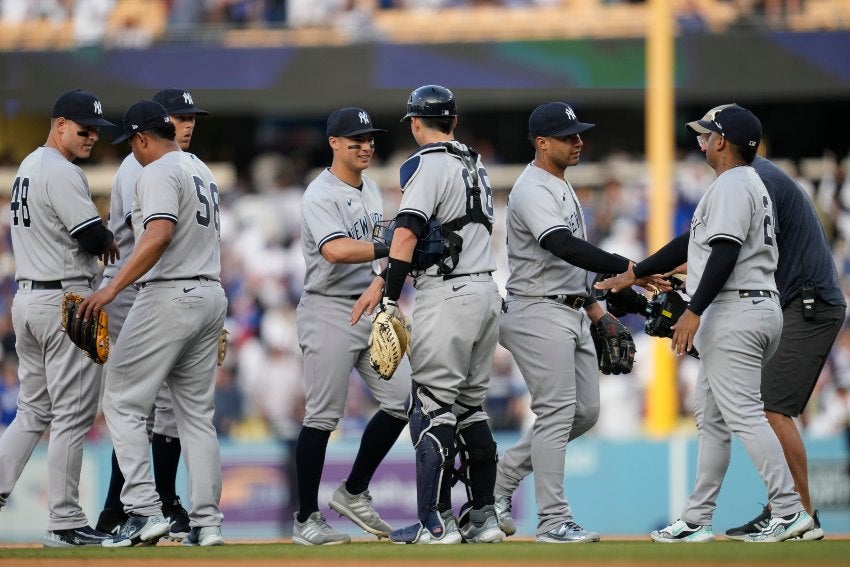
x=661, y=396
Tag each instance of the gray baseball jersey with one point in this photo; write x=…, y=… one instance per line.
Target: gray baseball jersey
x=550, y=341
x=727, y=396
x=735, y=207
x=191, y=253
x=435, y=183
x=540, y=204
x=171, y=335
x=50, y=202
x=333, y=209
x=456, y=318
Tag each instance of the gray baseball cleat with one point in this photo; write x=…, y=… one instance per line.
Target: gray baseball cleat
x=205, y=537
x=359, y=509
x=316, y=531
x=503, y=513
x=568, y=532
x=482, y=526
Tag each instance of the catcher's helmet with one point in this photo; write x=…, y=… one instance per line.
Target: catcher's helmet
x=430, y=100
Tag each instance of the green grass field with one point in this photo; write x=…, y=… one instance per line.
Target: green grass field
x=727, y=553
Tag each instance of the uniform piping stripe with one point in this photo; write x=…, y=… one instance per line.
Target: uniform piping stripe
x=165, y=216
x=734, y=239
x=85, y=224
x=413, y=212
x=332, y=236
x=549, y=231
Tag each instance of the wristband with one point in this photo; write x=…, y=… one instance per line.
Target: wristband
x=381, y=250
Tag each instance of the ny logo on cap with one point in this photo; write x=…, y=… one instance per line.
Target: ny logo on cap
x=364, y=118
x=98, y=109
x=187, y=98
x=570, y=114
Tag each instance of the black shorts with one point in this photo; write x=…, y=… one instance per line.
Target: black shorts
x=789, y=377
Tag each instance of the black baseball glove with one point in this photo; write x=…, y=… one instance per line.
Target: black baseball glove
x=662, y=312
x=615, y=349
x=621, y=302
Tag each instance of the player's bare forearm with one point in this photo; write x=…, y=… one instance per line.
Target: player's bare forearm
x=348, y=251
x=367, y=302
x=684, y=331
x=404, y=241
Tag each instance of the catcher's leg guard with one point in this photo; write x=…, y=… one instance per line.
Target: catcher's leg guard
x=478, y=459
x=432, y=455
x=418, y=417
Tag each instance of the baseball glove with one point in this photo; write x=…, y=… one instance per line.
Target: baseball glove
x=222, y=346
x=389, y=340
x=615, y=349
x=662, y=312
x=91, y=336
x=622, y=302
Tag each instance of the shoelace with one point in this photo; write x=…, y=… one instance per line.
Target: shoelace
x=571, y=526
x=322, y=525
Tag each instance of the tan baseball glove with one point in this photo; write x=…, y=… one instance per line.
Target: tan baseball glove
x=91, y=336
x=389, y=340
x=222, y=346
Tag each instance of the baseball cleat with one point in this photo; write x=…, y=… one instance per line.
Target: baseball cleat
x=814, y=534
x=481, y=526
x=754, y=526
x=681, y=531
x=568, y=532
x=138, y=530
x=316, y=531
x=205, y=537
x=178, y=518
x=781, y=528
x=359, y=509
x=74, y=537
x=111, y=520
x=503, y=513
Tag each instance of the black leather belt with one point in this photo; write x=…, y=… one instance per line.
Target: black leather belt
x=745, y=293
x=200, y=278
x=574, y=301
x=55, y=284
x=453, y=276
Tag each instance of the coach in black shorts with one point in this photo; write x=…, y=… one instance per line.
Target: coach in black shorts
x=813, y=309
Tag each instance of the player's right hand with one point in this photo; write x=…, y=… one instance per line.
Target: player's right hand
x=367, y=302
x=111, y=255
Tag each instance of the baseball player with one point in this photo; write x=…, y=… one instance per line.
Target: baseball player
x=57, y=235
x=455, y=323
x=543, y=324
x=165, y=444
x=171, y=331
x=813, y=309
x=735, y=320
x=340, y=209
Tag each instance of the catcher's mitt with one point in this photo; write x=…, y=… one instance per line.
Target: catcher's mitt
x=622, y=302
x=662, y=312
x=389, y=340
x=615, y=349
x=91, y=336
x=222, y=346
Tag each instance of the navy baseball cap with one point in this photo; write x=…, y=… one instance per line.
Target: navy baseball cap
x=178, y=101
x=733, y=122
x=144, y=115
x=555, y=119
x=82, y=107
x=350, y=122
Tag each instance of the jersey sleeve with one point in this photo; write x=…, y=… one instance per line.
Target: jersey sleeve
x=71, y=199
x=158, y=193
x=322, y=219
x=537, y=209
x=420, y=186
x=731, y=212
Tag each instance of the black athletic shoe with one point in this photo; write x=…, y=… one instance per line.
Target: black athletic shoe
x=111, y=520
x=754, y=526
x=178, y=517
x=74, y=537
